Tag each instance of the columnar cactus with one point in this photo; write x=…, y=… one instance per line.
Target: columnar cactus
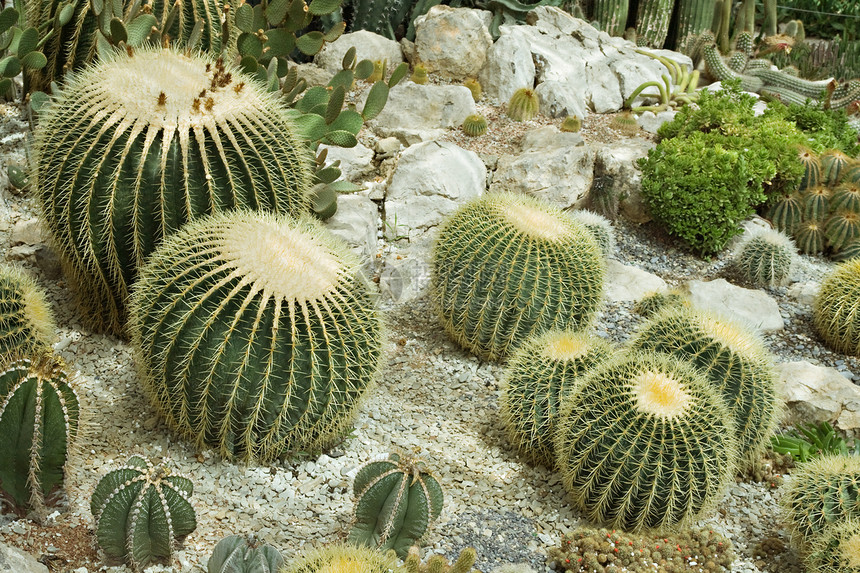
x=255, y=333
x=343, y=557
x=506, y=266
x=652, y=21
x=836, y=549
x=645, y=442
x=137, y=146
x=523, y=105
x=39, y=421
x=732, y=358
x=539, y=376
x=836, y=311
x=396, y=501
x=26, y=323
x=765, y=258
x=611, y=15
x=244, y=554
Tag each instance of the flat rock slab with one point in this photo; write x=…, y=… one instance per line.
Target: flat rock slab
x=749, y=306
x=629, y=283
x=815, y=394
x=13, y=560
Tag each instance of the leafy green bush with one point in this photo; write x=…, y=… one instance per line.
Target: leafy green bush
x=823, y=128
x=824, y=18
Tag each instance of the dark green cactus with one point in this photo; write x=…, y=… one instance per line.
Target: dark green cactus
x=396, y=501
x=652, y=21
x=846, y=197
x=833, y=162
x=816, y=203
x=344, y=557
x=260, y=345
x=765, y=258
x=809, y=237
x=841, y=228
x=26, y=322
x=139, y=509
x=850, y=251
x=244, y=554
x=523, y=105
x=786, y=213
x=474, y=125
x=611, y=16
x=836, y=549
x=836, y=311
x=693, y=18
x=39, y=421
x=600, y=228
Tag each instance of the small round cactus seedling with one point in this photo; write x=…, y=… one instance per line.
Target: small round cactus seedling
x=474, y=87
x=343, y=558
x=523, y=105
x=836, y=549
x=419, y=75
x=244, y=554
x=571, y=124
x=474, y=125
x=626, y=123
x=765, y=258
x=654, y=302
x=836, y=311
x=26, y=323
x=600, y=227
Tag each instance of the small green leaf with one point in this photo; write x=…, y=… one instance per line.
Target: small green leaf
x=8, y=18
x=276, y=11
x=117, y=31
x=66, y=13
x=315, y=96
x=348, y=59
x=398, y=74
x=363, y=69
x=310, y=43
x=140, y=28
x=28, y=42
x=245, y=18
x=248, y=64
x=335, y=32
x=335, y=104
x=340, y=138
x=376, y=99
x=34, y=61
x=280, y=43
x=39, y=101
x=249, y=45
x=344, y=187
x=348, y=120
x=311, y=126
x=10, y=66
x=342, y=79
x=323, y=201
x=327, y=174
x=322, y=7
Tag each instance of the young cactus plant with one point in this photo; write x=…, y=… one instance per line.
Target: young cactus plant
x=600, y=227
x=139, y=509
x=836, y=311
x=397, y=500
x=475, y=125
x=262, y=343
x=39, y=421
x=343, y=558
x=523, y=105
x=419, y=75
x=474, y=87
x=26, y=323
x=765, y=258
x=244, y=554
x=571, y=124
x=654, y=302
x=438, y=563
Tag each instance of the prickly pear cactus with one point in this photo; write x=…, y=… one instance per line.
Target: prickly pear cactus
x=39, y=421
x=506, y=266
x=645, y=442
x=836, y=549
x=765, y=258
x=139, y=509
x=26, y=323
x=397, y=500
x=261, y=343
x=344, y=557
x=244, y=554
x=523, y=105
x=121, y=167
x=836, y=311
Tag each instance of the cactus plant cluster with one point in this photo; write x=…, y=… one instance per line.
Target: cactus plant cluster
x=343, y=557
x=438, y=563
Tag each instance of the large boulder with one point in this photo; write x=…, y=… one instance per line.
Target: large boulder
x=452, y=42
x=509, y=67
x=751, y=307
x=815, y=394
x=367, y=46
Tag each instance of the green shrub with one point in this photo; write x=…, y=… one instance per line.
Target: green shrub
x=823, y=128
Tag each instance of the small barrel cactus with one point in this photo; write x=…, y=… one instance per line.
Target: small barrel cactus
x=39, y=421
x=474, y=125
x=539, y=375
x=654, y=302
x=26, y=322
x=847, y=197
x=120, y=168
x=523, y=105
x=786, y=213
x=343, y=558
x=262, y=343
x=851, y=250
x=600, y=227
x=645, y=442
x=396, y=501
x=474, y=87
x=244, y=554
x=836, y=549
x=809, y=237
x=765, y=258
x=139, y=509
x=626, y=123
x=836, y=311
x=841, y=228
x=816, y=203
x=833, y=162
x=419, y=75
x=812, y=168
x=571, y=124
x=438, y=563
x=506, y=266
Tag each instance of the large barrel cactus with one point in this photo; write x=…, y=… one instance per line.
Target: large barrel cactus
x=645, y=442
x=256, y=334
x=506, y=266
x=836, y=311
x=26, y=322
x=137, y=146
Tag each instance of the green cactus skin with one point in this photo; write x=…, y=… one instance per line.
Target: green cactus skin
x=836, y=311
x=474, y=87
x=262, y=343
x=787, y=213
x=39, y=421
x=652, y=303
x=776, y=79
x=538, y=377
x=26, y=322
x=438, y=563
x=765, y=258
x=626, y=123
x=694, y=18
x=738, y=61
x=851, y=250
x=836, y=549
x=571, y=124
x=816, y=203
x=718, y=69
x=821, y=491
x=652, y=22
x=524, y=105
x=419, y=75
x=745, y=44
x=732, y=358
x=841, y=228
x=809, y=237
x=833, y=162
x=507, y=266
x=759, y=64
x=396, y=501
x=474, y=125
x=846, y=197
x=244, y=554
x=851, y=173
x=343, y=557
x=139, y=509
x=796, y=30
x=120, y=168
x=812, y=168
x=601, y=229
x=645, y=442
x=611, y=16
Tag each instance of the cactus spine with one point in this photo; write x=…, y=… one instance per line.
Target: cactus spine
x=397, y=499
x=523, y=105
x=600, y=228
x=120, y=168
x=836, y=549
x=809, y=237
x=765, y=258
x=506, y=266
x=39, y=421
x=139, y=509
x=787, y=213
x=474, y=125
x=836, y=311
x=260, y=344
x=244, y=554
x=343, y=557
x=841, y=228
x=571, y=124
x=833, y=162
x=26, y=323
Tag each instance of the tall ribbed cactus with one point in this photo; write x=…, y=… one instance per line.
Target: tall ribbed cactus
x=694, y=17
x=397, y=499
x=836, y=311
x=244, y=554
x=256, y=334
x=136, y=146
x=645, y=441
x=139, y=509
x=39, y=420
x=506, y=266
x=26, y=323
x=611, y=15
x=652, y=21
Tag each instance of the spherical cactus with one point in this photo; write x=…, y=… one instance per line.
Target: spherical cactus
x=244, y=554
x=836, y=549
x=256, y=334
x=732, y=358
x=836, y=311
x=523, y=105
x=419, y=75
x=475, y=125
x=809, y=237
x=816, y=203
x=654, y=302
x=538, y=377
x=851, y=250
x=438, y=564
x=39, y=421
x=26, y=323
x=139, y=509
x=645, y=442
x=841, y=228
x=135, y=147
x=506, y=266
x=474, y=87
x=765, y=258
x=626, y=123
x=847, y=197
x=396, y=501
x=812, y=168
x=833, y=162
x=343, y=558
x=571, y=124
x=600, y=227
x=786, y=213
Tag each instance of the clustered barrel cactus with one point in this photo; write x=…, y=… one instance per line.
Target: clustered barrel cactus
x=835, y=311
x=26, y=322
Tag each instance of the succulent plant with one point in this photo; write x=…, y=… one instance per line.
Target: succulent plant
x=652, y=22
x=539, y=375
x=815, y=441
x=645, y=442
x=765, y=258
x=39, y=421
x=816, y=203
x=26, y=323
x=193, y=137
x=733, y=359
x=626, y=123
x=139, y=509
x=841, y=228
x=833, y=162
x=474, y=87
x=475, y=125
x=507, y=266
x=262, y=343
x=836, y=549
x=836, y=311
x=438, y=564
x=786, y=213
x=654, y=302
x=600, y=227
x=846, y=196
x=20, y=48
x=396, y=501
x=523, y=105
x=571, y=123
x=244, y=554
x=812, y=168
x=419, y=75
x=851, y=250
x=343, y=558
x=809, y=237
x=611, y=16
